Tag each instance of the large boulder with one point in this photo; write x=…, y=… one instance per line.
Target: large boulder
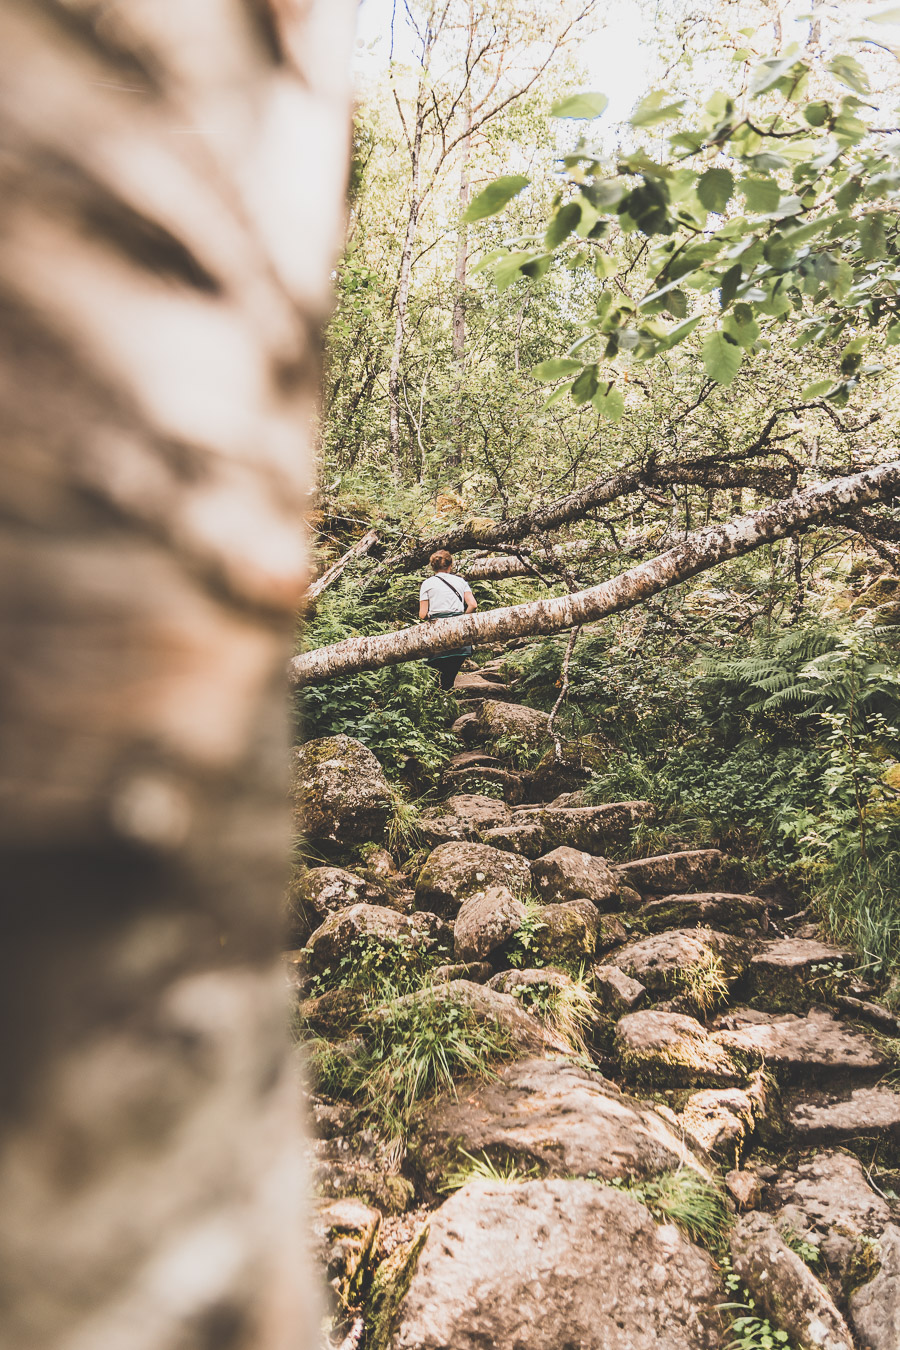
x=813, y=1046
x=456, y=870
x=784, y=1287
x=551, y=1114
x=698, y=964
x=340, y=791
x=462, y=816
x=567, y=935
x=828, y=1202
x=593, y=829
x=316, y=892
x=512, y=722
x=524, y=836
x=568, y=874
x=666, y=873
x=485, y=921
x=671, y=1049
x=553, y=1264
x=719, y=1120
x=875, y=1308
x=723, y=910
x=350, y=932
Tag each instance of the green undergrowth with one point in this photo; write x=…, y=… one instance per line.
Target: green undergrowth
x=569, y=1010
x=404, y=1051
x=749, y=1329
x=472, y=1167
x=685, y=1198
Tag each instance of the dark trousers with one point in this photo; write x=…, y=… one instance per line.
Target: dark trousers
x=448, y=667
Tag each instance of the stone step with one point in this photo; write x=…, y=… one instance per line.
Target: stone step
x=666, y=873
x=818, y=1046
x=716, y=909
x=472, y=759
x=472, y=685
x=845, y=1115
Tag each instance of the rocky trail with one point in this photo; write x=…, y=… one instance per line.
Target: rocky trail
x=571, y=1096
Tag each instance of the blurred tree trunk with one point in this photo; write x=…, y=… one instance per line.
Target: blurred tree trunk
x=171, y=206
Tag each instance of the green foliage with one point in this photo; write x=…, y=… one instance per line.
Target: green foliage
x=380, y=970
x=568, y=1010
x=415, y=1049
x=750, y=1330
x=684, y=1198
x=484, y=1168
x=520, y=949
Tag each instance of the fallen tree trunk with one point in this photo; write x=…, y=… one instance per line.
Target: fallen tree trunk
x=698, y=552
x=705, y=473
x=359, y=550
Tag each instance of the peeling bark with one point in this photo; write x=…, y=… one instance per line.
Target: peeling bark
x=697, y=553
x=163, y=284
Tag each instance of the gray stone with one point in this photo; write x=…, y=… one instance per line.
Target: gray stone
x=593, y=829
x=828, y=1202
x=719, y=1120
x=616, y=992
x=462, y=816
x=568, y=874
x=316, y=892
x=370, y=925
x=875, y=1308
x=456, y=870
x=466, y=728
x=472, y=684
x=508, y=981
x=723, y=910
x=797, y=957
x=340, y=791
x=485, y=921
x=525, y=837
x=744, y=1188
x=556, y=1265
x=553, y=1114
x=697, y=963
x=799, y=1046
x=669, y=1048
x=568, y=933
x=784, y=1286
x=498, y=720
x=816, y=1117
x=669, y=872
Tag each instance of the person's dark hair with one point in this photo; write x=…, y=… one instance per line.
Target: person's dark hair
x=441, y=560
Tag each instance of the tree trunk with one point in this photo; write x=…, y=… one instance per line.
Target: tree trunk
x=403, y=284
x=171, y=206
x=459, y=275
x=698, y=552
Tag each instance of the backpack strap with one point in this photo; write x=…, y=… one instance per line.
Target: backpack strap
x=452, y=588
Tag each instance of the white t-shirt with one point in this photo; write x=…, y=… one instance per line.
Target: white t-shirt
x=437, y=591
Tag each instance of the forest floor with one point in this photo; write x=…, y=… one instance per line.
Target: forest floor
x=569, y=1096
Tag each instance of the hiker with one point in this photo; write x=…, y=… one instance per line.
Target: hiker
x=444, y=596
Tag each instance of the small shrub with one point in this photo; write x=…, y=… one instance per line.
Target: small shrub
x=687, y=1200
x=568, y=1010
x=520, y=949
x=506, y=1173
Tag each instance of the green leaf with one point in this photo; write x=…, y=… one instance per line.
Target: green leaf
x=817, y=389
x=817, y=114
x=741, y=326
x=871, y=236
x=715, y=188
x=761, y=194
x=892, y=336
x=562, y=224
x=555, y=369
x=509, y=269
x=676, y=304
x=680, y=332
x=850, y=72
x=495, y=196
x=884, y=16
x=652, y=109
x=768, y=73
x=730, y=282
x=846, y=196
x=609, y=402
x=583, y=106
x=721, y=358
x=585, y=387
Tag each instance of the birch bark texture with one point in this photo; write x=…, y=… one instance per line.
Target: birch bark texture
x=172, y=204
x=696, y=553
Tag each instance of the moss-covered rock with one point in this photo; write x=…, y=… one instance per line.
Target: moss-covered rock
x=567, y=934
x=389, y=1288
x=345, y=1232
x=454, y=871
x=340, y=792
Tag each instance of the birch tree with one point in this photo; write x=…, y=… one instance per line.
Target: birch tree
x=172, y=205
